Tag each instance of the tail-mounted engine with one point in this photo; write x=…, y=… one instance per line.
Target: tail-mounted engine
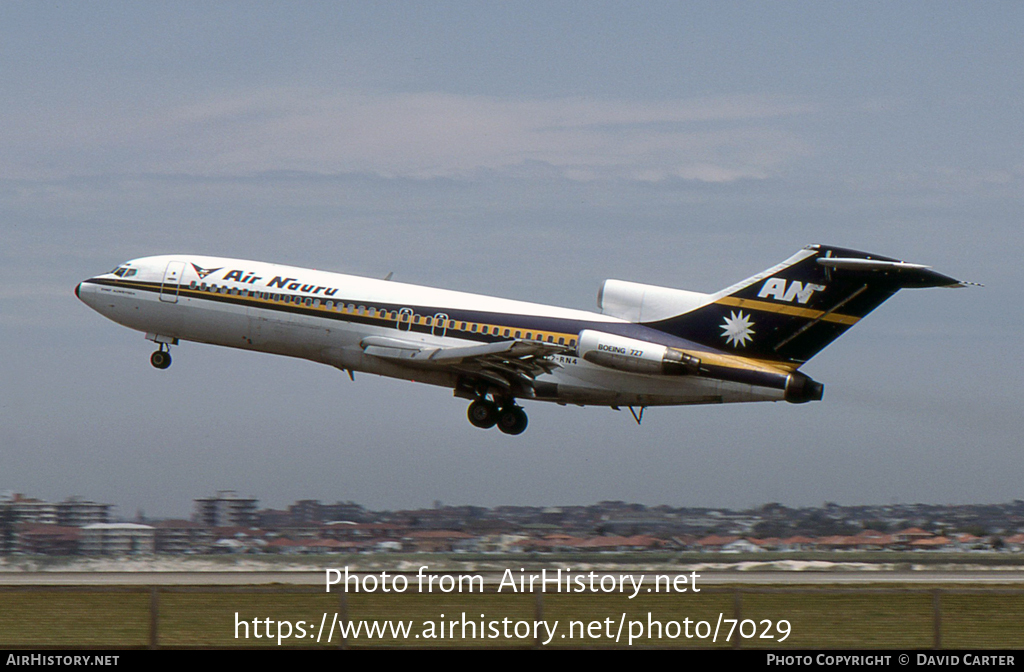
x=634, y=356
x=800, y=389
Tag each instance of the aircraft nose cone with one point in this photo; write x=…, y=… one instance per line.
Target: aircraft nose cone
x=78, y=287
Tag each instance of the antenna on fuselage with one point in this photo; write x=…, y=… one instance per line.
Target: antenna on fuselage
x=639, y=417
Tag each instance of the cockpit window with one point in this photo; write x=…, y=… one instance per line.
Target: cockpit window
x=124, y=271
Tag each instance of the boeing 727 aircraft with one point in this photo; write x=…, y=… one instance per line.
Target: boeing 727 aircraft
x=649, y=346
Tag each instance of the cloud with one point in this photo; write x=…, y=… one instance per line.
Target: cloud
x=418, y=135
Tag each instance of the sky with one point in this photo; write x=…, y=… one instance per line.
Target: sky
x=527, y=150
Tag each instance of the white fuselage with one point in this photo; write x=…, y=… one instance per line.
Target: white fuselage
x=329, y=317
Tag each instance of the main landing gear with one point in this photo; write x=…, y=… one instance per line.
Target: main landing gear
x=161, y=359
x=509, y=418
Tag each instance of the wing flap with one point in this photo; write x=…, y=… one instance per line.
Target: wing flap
x=513, y=360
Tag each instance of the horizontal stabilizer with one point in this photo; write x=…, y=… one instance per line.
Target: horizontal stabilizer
x=904, y=274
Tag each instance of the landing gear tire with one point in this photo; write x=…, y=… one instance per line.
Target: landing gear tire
x=512, y=420
x=161, y=359
x=482, y=414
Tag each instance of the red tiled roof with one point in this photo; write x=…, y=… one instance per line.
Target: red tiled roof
x=328, y=543
x=640, y=540
x=438, y=534
x=876, y=538
x=838, y=540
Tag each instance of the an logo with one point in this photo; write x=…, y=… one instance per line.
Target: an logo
x=777, y=289
x=203, y=272
x=736, y=330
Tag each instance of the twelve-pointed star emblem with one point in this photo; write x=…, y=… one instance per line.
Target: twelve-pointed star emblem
x=737, y=329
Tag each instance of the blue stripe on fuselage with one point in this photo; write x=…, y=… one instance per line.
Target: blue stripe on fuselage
x=568, y=327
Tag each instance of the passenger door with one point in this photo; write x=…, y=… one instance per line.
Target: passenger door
x=172, y=281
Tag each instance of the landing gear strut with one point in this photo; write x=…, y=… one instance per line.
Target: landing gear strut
x=161, y=359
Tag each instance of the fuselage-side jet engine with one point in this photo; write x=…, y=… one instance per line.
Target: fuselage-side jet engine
x=649, y=345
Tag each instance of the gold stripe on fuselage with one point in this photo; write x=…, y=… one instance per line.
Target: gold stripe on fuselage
x=341, y=307
x=740, y=362
x=388, y=318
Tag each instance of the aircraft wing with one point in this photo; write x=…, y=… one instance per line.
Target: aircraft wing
x=509, y=363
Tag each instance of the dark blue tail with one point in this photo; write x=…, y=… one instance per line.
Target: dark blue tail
x=790, y=312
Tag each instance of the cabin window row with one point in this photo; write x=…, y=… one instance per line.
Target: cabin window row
x=403, y=318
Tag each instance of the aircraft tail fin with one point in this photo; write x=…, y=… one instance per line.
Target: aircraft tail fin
x=793, y=310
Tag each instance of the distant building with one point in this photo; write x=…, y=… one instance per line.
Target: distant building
x=272, y=519
x=307, y=511
x=226, y=509
x=117, y=539
x=78, y=512
x=21, y=509
x=182, y=536
x=48, y=539
x=435, y=541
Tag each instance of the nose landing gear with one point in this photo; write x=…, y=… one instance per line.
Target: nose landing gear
x=161, y=359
